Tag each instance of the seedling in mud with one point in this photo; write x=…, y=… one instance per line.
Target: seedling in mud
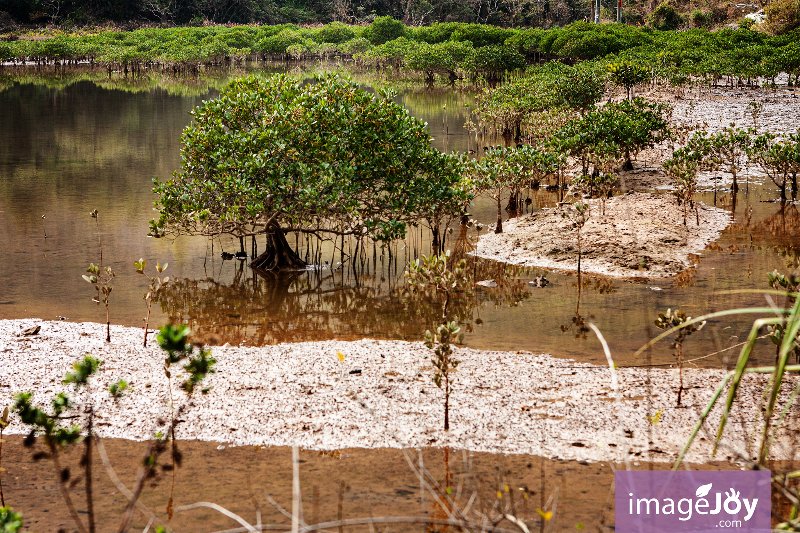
x=156, y=283
x=754, y=109
x=579, y=215
x=443, y=361
x=597, y=184
x=678, y=319
x=101, y=278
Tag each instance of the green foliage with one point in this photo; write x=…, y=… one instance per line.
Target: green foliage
x=332, y=156
x=437, y=272
x=540, y=103
x=384, y=29
x=481, y=35
x=280, y=42
x=615, y=131
x=355, y=46
x=82, y=371
x=584, y=40
x=682, y=169
x=597, y=184
x=442, y=58
x=493, y=60
x=701, y=19
x=175, y=341
x=438, y=32
x=336, y=33
x=10, y=522
x=627, y=74
x=156, y=284
x=118, y=389
x=778, y=157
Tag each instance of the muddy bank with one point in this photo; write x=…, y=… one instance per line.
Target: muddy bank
x=641, y=235
x=383, y=396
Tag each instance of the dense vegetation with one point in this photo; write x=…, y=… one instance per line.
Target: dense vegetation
x=453, y=50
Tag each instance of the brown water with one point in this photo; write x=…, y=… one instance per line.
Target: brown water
x=73, y=141
x=342, y=484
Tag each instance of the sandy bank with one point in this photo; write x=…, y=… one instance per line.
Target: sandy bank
x=511, y=402
x=640, y=235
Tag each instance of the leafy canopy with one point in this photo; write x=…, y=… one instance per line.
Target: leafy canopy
x=328, y=155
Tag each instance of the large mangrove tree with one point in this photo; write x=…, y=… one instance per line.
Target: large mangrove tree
x=326, y=158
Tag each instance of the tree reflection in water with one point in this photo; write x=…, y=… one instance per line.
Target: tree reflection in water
x=260, y=308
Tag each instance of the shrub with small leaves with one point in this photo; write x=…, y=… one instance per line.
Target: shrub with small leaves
x=443, y=361
x=156, y=284
x=435, y=272
x=199, y=363
x=683, y=326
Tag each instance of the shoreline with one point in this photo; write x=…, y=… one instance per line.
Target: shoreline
x=641, y=235
x=301, y=394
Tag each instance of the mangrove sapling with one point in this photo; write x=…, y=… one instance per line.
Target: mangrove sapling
x=578, y=214
x=607, y=159
x=57, y=436
x=628, y=75
x=175, y=341
x=435, y=272
x=754, y=109
x=156, y=283
x=726, y=150
x=443, y=360
x=101, y=278
x=682, y=169
x=777, y=157
x=678, y=319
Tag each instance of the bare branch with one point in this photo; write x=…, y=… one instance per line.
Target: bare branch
x=220, y=509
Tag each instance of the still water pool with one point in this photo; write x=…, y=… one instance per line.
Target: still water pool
x=74, y=141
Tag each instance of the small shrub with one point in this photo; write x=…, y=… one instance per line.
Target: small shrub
x=700, y=19
x=678, y=319
x=666, y=18
x=384, y=29
x=782, y=16
x=335, y=33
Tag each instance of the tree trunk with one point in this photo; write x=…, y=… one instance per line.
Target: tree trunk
x=277, y=254
x=435, y=244
x=499, y=228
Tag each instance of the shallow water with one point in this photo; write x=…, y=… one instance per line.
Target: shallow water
x=340, y=484
x=78, y=142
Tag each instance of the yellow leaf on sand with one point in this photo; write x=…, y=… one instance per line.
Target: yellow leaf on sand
x=546, y=515
x=341, y=356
